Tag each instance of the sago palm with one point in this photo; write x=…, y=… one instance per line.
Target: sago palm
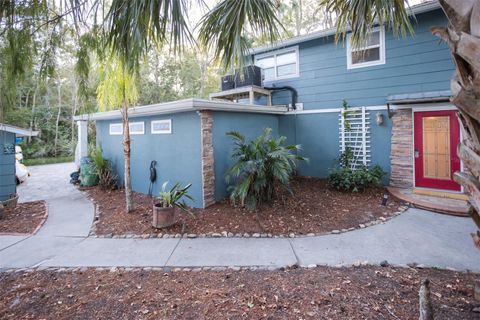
x=260, y=165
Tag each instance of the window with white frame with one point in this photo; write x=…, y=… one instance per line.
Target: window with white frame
x=280, y=64
x=161, y=126
x=116, y=129
x=370, y=53
x=137, y=127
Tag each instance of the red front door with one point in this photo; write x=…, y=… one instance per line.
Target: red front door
x=437, y=134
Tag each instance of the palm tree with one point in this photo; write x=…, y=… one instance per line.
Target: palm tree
x=117, y=90
x=134, y=26
x=463, y=38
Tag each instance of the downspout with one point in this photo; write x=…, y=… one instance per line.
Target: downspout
x=294, y=96
x=292, y=90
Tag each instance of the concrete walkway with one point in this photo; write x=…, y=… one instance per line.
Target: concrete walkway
x=416, y=236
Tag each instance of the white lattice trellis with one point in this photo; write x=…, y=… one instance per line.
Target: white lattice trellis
x=357, y=136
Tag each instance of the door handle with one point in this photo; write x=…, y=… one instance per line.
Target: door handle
x=416, y=153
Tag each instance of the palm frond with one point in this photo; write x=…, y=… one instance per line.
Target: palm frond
x=260, y=165
x=360, y=16
x=225, y=27
x=134, y=26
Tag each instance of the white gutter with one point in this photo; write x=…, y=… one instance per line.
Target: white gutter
x=18, y=131
x=417, y=9
x=183, y=106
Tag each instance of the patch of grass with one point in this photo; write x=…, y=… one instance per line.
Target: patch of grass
x=40, y=161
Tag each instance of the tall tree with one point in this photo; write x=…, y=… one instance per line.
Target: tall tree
x=117, y=89
x=463, y=37
x=135, y=26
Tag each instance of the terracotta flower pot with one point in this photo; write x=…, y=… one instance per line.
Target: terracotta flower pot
x=163, y=217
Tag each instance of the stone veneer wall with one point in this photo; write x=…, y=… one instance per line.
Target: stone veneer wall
x=401, y=155
x=208, y=174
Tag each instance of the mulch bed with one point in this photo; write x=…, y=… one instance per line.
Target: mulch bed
x=321, y=293
x=313, y=209
x=25, y=218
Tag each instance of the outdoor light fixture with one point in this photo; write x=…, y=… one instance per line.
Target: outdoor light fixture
x=385, y=199
x=379, y=118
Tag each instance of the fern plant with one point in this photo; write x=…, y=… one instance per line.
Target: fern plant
x=260, y=165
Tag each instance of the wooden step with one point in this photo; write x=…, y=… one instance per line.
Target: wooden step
x=456, y=207
x=441, y=194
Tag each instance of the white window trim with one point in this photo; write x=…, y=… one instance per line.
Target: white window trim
x=113, y=133
x=135, y=123
x=278, y=52
x=369, y=63
x=169, y=121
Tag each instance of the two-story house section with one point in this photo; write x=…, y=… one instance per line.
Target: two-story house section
x=397, y=94
x=384, y=103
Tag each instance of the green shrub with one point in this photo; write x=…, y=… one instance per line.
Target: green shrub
x=107, y=179
x=347, y=179
x=260, y=164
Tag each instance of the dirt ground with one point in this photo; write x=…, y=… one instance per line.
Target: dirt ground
x=24, y=218
x=313, y=209
x=321, y=293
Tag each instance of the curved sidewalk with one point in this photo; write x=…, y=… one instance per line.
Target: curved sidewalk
x=415, y=237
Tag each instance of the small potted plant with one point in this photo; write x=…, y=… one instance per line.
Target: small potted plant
x=165, y=211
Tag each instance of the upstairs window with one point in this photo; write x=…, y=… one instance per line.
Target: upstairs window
x=280, y=64
x=370, y=53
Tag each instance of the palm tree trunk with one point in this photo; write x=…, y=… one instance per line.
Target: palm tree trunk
x=126, y=154
x=463, y=37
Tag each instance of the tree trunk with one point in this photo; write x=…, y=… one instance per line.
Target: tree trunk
x=299, y=17
x=426, y=309
x=463, y=38
x=58, y=119
x=32, y=119
x=74, y=112
x=126, y=154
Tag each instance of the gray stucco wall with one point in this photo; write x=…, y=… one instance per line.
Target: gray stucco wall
x=8, y=184
x=177, y=154
x=250, y=125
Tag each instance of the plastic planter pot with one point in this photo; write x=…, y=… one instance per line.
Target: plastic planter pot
x=164, y=217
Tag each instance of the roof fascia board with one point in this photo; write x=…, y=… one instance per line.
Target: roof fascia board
x=18, y=131
x=182, y=106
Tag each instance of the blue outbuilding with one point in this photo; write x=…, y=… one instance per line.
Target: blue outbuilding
x=8, y=136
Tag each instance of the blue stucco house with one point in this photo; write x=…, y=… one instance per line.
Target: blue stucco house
x=398, y=112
